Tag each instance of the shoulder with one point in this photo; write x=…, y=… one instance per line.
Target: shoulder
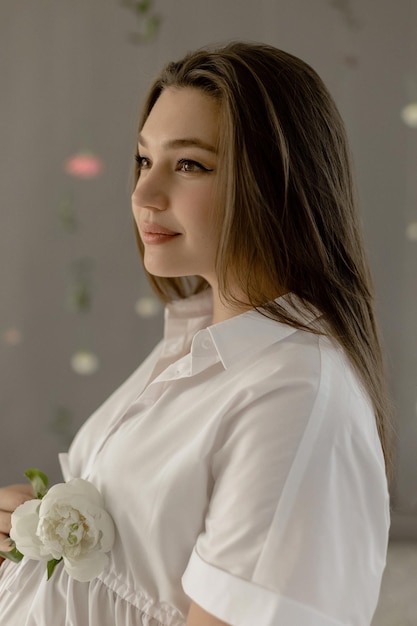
x=300, y=495
x=301, y=389
x=301, y=363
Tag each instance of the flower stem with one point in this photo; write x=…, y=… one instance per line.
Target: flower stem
x=13, y=555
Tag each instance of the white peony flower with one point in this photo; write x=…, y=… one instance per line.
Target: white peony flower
x=69, y=523
x=25, y=522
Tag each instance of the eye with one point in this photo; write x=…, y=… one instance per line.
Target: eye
x=192, y=167
x=143, y=162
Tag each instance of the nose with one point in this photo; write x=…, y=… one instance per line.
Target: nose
x=151, y=191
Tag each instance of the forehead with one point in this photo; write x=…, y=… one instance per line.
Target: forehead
x=183, y=112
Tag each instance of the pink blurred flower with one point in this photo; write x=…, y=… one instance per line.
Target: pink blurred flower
x=84, y=165
x=12, y=337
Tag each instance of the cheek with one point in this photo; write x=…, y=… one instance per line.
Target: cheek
x=200, y=213
x=203, y=237
x=136, y=220
x=135, y=209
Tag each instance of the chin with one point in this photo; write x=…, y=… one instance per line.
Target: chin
x=162, y=272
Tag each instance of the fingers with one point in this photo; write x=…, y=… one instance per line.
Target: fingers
x=5, y=524
x=22, y=487
x=10, y=498
x=5, y=545
x=13, y=496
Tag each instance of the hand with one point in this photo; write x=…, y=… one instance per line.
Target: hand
x=10, y=498
x=199, y=617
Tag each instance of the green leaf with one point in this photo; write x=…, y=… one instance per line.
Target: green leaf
x=39, y=482
x=13, y=555
x=143, y=6
x=51, y=565
x=152, y=25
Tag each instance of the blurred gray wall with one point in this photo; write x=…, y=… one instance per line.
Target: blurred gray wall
x=71, y=79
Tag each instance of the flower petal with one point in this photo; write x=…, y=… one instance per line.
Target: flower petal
x=87, y=567
x=105, y=525
x=69, y=522
x=73, y=488
x=25, y=521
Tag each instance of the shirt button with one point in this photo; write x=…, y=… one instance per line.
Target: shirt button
x=206, y=344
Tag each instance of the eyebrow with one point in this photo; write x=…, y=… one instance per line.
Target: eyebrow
x=186, y=142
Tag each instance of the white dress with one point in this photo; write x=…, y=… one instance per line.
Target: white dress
x=242, y=468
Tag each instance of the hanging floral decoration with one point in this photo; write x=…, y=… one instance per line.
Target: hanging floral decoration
x=148, y=21
x=67, y=214
x=346, y=11
x=80, y=295
x=147, y=306
x=61, y=425
x=84, y=165
x=84, y=362
x=409, y=114
x=412, y=231
x=12, y=336
x=409, y=117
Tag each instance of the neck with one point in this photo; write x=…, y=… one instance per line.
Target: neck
x=223, y=310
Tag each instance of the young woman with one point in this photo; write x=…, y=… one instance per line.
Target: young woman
x=243, y=462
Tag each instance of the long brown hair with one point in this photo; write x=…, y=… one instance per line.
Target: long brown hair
x=287, y=210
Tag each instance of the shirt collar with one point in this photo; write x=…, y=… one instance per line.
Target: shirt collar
x=252, y=331
x=239, y=336
x=187, y=316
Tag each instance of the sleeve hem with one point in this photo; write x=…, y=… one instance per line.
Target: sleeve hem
x=240, y=602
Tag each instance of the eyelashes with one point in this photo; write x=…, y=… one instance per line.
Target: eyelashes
x=188, y=166
x=142, y=162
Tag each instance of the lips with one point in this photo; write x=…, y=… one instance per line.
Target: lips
x=152, y=233
x=156, y=229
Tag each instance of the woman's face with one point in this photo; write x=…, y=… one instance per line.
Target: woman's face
x=174, y=196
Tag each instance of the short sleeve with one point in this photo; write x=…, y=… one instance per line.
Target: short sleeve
x=297, y=526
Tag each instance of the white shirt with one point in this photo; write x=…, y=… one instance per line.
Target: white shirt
x=242, y=468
